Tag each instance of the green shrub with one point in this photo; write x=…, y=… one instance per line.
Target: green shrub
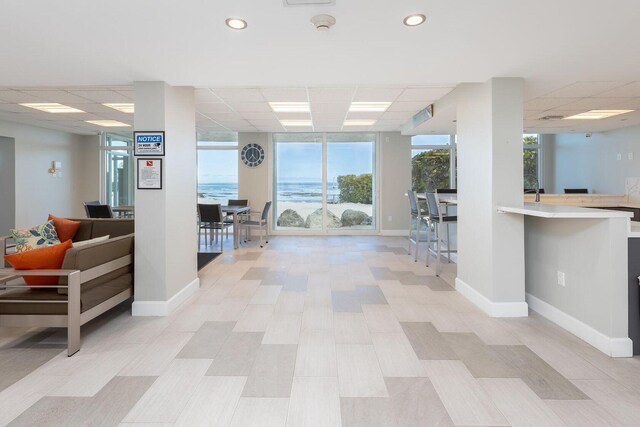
x=356, y=188
x=430, y=170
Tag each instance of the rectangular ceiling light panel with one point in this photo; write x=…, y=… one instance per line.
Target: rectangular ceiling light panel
x=52, y=107
x=308, y=2
x=359, y=122
x=108, y=123
x=296, y=123
x=369, y=106
x=597, y=114
x=290, y=107
x=125, y=107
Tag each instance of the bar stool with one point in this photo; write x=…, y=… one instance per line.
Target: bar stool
x=438, y=220
x=418, y=216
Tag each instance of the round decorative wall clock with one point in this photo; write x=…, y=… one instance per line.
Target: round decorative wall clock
x=252, y=155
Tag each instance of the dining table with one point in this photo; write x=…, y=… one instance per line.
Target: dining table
x=123, y=211
x=236, y=212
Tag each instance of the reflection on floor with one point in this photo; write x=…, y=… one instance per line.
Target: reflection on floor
x=316, y=331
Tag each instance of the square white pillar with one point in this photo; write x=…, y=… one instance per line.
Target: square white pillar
x=166, y=220
x=491, y=245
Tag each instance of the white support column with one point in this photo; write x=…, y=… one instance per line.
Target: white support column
x=491, y=245
x=166, y=228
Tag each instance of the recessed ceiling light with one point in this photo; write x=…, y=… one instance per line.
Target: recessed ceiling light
x=359, y=122
x=236, y=23
x=597, y=114
x=414, y=20
x=108, y=123
x=369, y=106
x=290, y=107
x=125, y=107
x=296, y=123
x=52, y=107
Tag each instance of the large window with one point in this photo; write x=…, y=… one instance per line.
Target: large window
x=117, y=164
x=324, y=182
x=217, y=167
x=531, y=159
x=433, y=162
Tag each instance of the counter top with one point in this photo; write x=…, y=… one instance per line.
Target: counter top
x=586, y=200
x=562, y=211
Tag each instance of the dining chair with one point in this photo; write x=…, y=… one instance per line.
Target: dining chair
x=99, y=211
x=90, y=203
x=239, y=202
x=210, y=218
x=438, y=220
x=576, y=191
x=262, y=223
x=418, y=217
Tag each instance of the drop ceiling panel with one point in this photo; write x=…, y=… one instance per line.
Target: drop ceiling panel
x=548, y=103
x=587, y=104
x=412, y=107
x=239, y=95
x=335, y=108
x=424, y=94
x=584, y=89
x=250, y=107
x=59, y=96
x=258, y=116
x=213, y=107
x=102, y=96
x=294, y=116
x=370, y=94
x=331, y=95
x=204, y=95
x=397, y=115
x=364, y=115
x=15, y=96
x=625, y=91
x=285, y=94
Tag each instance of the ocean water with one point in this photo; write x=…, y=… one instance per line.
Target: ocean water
x=308, y=192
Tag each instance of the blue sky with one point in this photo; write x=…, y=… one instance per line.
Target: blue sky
x=296, y=162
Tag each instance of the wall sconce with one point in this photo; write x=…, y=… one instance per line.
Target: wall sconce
x=56, y=168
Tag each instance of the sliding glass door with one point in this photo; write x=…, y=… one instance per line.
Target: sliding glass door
x=324, y=182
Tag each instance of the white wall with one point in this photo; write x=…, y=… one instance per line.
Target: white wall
x=575, y=161
x=7, y=185
x=37, y=192
x=593, y=302
x=395, y=180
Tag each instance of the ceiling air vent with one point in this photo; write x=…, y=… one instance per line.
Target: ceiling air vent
x=551, y=118
x=309, y=2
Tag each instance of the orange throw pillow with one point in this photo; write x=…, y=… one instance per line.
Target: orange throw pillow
x=48, y=257
x=65, y=228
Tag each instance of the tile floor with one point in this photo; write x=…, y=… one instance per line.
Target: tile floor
x=316, y=331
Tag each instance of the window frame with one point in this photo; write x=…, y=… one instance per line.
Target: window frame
x=321, y=138
x=452, y=147
x=211, y=146
x=104, y=149
x=539, y=147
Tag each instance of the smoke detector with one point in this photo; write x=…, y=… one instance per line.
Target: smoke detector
x=323, y=22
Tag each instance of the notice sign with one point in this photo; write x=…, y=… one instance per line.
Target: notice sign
x=148, y=143
x=149, y=174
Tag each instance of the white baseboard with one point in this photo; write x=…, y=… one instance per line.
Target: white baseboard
x=394, y=233
x=614, y=347
x=164, y=308
x=493, y=309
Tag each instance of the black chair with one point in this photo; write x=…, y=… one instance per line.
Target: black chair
x=210, y=218
x=576, y=191
x=262, y=223
x=447, y=191
x=438, y=220
x=99, y=211
x=419, y=217
x=90, y=203
x=533, y=191
x=237, y=202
